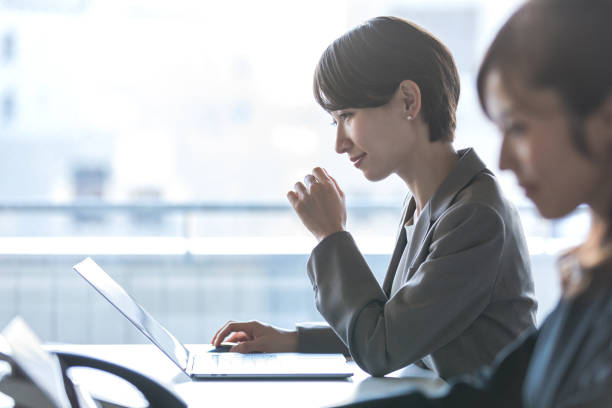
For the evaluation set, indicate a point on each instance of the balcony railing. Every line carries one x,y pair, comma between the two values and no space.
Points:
97,227
194,266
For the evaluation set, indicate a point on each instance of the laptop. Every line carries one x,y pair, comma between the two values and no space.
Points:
212,364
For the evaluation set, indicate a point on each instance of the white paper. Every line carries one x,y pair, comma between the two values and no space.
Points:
42,367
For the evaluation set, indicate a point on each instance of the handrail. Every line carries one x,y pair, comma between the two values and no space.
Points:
203,206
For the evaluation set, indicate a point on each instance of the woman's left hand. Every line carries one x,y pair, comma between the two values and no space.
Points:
319,202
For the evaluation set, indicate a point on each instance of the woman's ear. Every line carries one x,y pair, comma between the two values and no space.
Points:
410,95
607,116
599,130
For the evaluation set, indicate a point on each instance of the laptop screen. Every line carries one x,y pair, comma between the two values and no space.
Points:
150,327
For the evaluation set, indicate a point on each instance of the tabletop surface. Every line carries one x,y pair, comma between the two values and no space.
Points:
147,359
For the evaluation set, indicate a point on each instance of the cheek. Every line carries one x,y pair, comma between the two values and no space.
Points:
541,155
517,154
565,180
359,134
537,160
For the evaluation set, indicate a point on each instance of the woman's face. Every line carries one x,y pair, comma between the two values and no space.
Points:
537,147
376,140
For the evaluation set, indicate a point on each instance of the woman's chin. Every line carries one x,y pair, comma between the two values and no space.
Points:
554,210
374,176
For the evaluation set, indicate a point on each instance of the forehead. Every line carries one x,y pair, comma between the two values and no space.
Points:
509,94
340,111
497,99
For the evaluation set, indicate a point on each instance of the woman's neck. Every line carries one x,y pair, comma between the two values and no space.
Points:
597,247
428,169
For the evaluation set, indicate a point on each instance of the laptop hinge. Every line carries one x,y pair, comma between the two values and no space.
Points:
190,362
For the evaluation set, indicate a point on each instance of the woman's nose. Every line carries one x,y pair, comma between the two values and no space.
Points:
342,142
505,155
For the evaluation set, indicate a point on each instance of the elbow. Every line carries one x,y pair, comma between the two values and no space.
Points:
378,372
376,367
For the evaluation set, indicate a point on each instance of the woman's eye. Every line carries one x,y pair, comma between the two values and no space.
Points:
342,117
345,115
514,129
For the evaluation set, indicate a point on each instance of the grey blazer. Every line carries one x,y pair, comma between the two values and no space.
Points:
466,289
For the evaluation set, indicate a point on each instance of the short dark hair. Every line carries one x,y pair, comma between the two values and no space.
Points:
364,68
561,45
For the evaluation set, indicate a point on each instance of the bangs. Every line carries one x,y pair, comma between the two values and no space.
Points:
364,68
339,84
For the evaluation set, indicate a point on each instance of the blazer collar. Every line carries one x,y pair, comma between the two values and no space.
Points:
467,167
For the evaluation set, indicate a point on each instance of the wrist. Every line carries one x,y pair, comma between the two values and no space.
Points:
291,340
321,237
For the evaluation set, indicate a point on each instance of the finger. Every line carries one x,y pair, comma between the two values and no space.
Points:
221,334
247,328
214,339
254,346
238,337
321,175
309,180
292,197
337,186
333,180
300,189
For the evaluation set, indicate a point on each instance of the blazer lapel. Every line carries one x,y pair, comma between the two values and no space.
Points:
468,166
400,244
421,230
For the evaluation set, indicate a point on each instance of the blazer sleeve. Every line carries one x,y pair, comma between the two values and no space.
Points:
443,296
318,338
499,385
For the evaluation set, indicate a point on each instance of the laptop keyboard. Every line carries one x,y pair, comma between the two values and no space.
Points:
231,362
271,365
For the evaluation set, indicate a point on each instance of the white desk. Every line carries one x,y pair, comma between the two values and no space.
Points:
243,393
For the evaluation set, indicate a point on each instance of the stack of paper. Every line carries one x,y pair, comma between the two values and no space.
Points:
35,379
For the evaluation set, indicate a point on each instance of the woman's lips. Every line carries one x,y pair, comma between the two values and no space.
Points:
530,189
357,160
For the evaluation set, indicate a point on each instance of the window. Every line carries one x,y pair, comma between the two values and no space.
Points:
8,47
161,137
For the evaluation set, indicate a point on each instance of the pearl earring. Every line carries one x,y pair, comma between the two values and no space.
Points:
409,117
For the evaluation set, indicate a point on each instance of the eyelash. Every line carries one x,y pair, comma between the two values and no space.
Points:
343,116
514,129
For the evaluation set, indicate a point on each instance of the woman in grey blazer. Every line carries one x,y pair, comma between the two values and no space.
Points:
546,83
458,288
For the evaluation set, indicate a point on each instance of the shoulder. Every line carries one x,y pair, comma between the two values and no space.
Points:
484,189
592,379
471,225
482,198
470,215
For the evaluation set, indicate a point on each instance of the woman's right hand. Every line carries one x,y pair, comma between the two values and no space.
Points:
319,202
256,337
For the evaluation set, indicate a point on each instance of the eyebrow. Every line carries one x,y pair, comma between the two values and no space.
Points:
337,113
506,113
